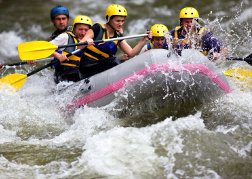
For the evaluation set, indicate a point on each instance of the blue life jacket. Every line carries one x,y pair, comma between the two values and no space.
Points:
102,50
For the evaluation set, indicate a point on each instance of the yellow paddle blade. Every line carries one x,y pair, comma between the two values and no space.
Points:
15,80
244,77
35,50
239,73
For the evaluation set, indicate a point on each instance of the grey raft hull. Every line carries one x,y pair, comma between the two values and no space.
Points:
153,85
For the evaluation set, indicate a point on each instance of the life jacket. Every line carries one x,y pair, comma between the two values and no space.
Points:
74,60
178,36
102,50
149,45
204,52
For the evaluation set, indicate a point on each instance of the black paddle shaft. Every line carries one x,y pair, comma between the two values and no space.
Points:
13,64
248,60
43,67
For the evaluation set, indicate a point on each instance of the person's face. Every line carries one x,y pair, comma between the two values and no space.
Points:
80,30
187,24
117,22
158,42
60,22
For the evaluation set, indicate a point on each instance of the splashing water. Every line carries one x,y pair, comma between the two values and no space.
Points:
8,42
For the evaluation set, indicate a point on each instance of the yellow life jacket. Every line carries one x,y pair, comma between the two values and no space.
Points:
184,40
204,52
149,45
74,60
101,50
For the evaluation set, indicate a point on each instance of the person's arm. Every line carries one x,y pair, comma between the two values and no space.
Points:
90,35
131,52
144,49
173,40
122,58
62,39
59,56
222,54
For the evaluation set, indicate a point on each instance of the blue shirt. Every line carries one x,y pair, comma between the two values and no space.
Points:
210,43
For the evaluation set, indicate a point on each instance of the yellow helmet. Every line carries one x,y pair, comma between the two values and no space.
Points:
159,30
115,10
82,20
188,13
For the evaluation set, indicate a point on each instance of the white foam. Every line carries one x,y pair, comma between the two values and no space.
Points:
131,151
7,135
31,110
8,43
245,15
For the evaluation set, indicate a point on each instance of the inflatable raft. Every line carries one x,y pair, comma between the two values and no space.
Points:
157,84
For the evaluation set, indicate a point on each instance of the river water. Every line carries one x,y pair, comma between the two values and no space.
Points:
38,141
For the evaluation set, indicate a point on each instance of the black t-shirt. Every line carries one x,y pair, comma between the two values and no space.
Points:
98,31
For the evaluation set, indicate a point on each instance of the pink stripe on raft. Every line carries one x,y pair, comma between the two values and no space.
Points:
115,86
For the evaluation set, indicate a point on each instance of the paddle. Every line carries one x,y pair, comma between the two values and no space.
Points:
42,49
17,80
249,56
239,73
24,62
247,59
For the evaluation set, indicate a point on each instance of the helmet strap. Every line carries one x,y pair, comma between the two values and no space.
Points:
118,33
110,26
180,21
